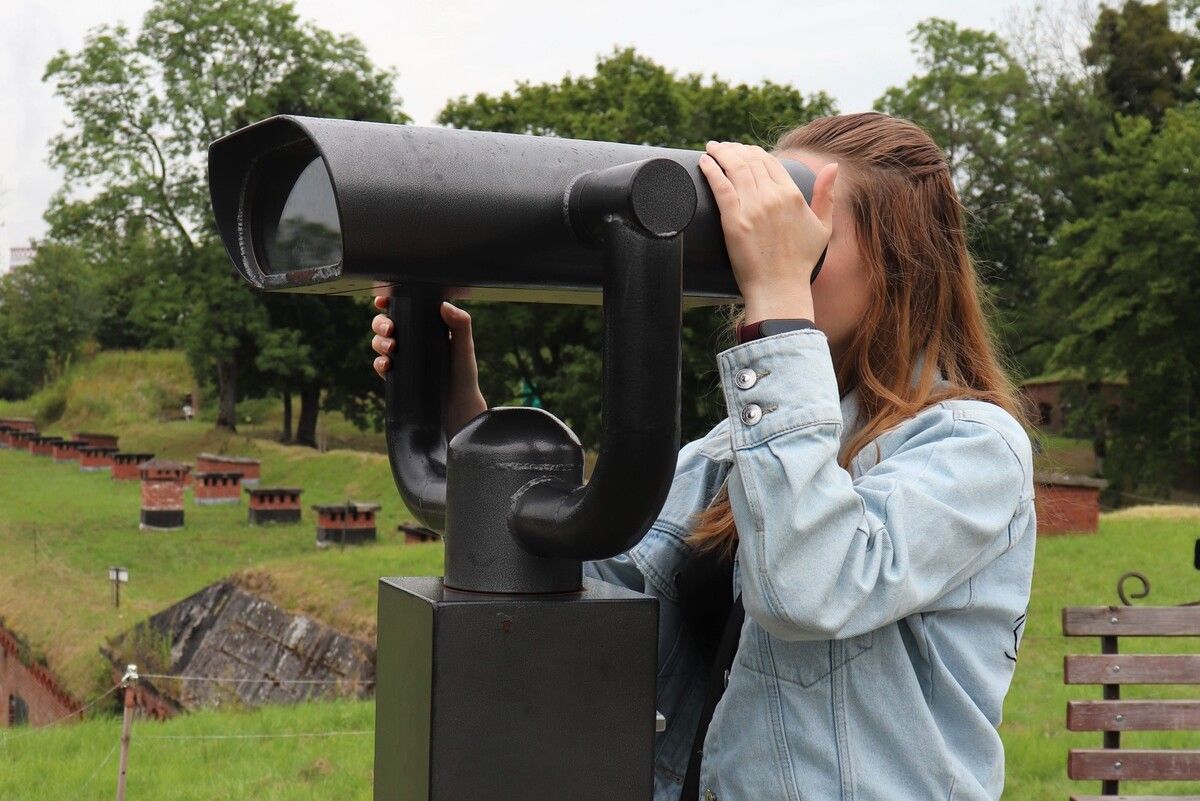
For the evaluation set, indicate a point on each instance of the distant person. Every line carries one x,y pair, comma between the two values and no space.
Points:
872,483
188,413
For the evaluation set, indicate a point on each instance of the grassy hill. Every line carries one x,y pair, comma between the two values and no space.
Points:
60,529
136,392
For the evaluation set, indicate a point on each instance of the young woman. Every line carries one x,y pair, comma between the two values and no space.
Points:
873,473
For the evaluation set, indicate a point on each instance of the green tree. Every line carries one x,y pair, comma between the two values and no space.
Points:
1126,278
48,311
979,104
1144,65
552,352
144,109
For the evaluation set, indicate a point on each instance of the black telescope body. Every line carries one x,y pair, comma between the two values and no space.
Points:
335,206
511,677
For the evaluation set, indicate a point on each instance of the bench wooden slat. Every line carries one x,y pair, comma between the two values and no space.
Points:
1133,715
1131,621
1131,669
1128,764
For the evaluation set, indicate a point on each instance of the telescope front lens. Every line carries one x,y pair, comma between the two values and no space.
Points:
295,220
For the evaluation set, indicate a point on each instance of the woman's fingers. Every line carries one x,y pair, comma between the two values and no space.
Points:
380,302
382,364
382,345
729,157
756,157
382,325
778,172
723,189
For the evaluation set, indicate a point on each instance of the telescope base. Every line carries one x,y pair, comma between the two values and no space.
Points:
514,697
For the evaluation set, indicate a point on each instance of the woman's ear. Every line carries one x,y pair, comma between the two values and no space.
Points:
823,194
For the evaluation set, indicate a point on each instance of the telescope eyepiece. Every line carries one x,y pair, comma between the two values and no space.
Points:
656,194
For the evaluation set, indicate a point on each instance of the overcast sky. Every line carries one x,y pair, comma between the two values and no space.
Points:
444,48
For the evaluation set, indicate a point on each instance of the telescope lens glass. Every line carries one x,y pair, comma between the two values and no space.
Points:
296,216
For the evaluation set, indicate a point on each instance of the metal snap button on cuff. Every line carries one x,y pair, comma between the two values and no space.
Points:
745,378
709,795
751,414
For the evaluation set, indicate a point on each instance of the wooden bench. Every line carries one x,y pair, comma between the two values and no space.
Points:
1112,764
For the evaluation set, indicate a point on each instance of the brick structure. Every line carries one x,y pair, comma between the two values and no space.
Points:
274,505
347,523
218,463
126,466
94,458
214,488
23,440
67,450
43,445
162,494
18,423
30,694
1047,399
1067,504
416,534
98,440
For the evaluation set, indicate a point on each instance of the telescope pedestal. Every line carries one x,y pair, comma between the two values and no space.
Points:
514,697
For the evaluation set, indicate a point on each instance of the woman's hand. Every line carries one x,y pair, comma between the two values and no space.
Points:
773,236
465,400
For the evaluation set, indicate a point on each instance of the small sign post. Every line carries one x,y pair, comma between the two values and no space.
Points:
118,576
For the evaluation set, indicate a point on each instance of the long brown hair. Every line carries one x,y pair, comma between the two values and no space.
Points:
924,294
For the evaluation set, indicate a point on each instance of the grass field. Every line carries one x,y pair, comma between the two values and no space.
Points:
1080,570
206,756
60,529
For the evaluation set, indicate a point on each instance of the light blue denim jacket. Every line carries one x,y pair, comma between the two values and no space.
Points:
884,605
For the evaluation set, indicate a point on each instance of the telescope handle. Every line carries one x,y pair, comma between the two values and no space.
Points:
415,400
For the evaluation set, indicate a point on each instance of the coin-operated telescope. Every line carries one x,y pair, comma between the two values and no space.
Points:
513,676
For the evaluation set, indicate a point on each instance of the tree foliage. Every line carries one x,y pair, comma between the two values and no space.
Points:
144,107
552,352
1126,278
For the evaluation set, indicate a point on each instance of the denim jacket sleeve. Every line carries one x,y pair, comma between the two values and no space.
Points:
827,556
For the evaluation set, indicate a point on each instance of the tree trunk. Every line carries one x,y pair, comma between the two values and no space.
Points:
310,405
227,395
286,436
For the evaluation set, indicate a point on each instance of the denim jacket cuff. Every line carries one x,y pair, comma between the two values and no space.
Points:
778,384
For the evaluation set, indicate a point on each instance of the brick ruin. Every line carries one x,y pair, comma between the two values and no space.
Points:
94,458
127,466
216,488
1067,504
11,425
6,435
30,693
416,534
98,440
249,469
274,505
68,450
43,445
347,523
162,494
22,440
